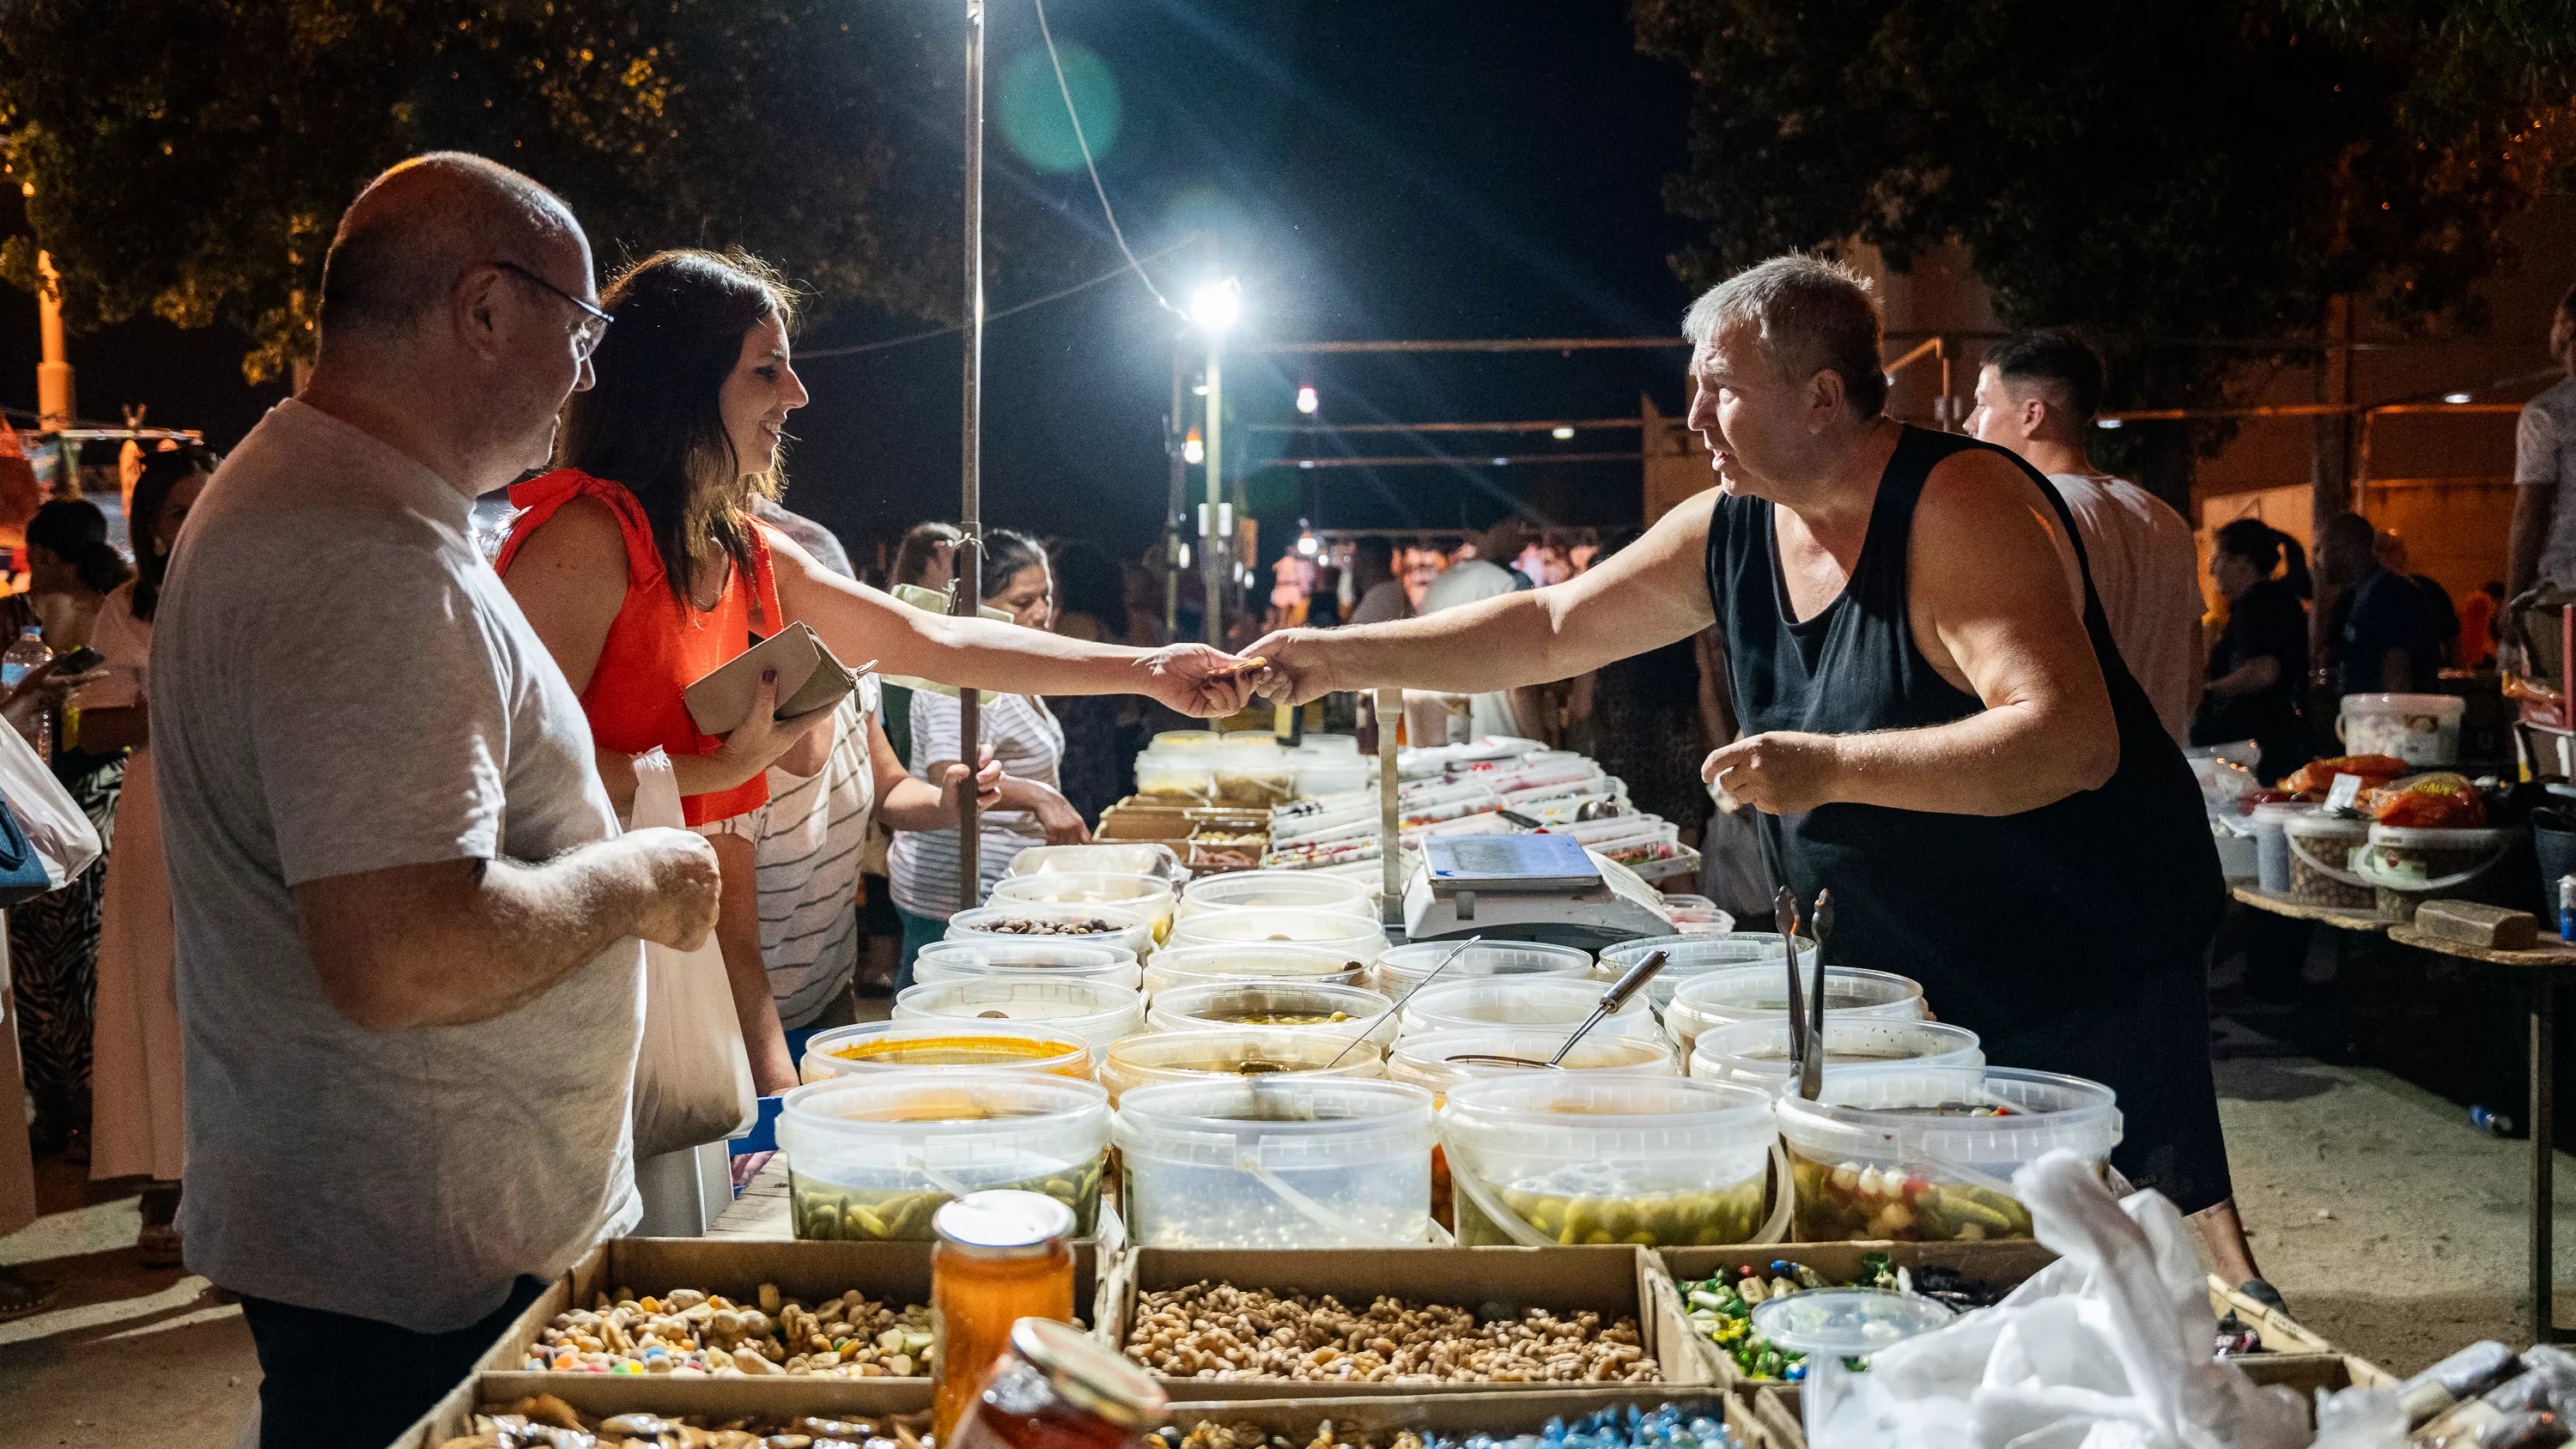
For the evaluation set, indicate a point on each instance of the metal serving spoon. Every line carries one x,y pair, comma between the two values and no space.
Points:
1811,1070
1784,914
1374,1021
1611,1000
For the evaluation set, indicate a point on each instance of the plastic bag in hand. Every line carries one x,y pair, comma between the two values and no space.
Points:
692,1076
2106,1348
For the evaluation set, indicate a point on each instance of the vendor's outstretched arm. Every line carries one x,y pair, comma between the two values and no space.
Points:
859,623
1647,595
1996,613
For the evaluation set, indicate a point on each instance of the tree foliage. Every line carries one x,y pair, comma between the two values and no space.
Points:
2190,169
192,159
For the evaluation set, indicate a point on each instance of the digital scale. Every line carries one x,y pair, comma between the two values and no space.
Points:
1536,887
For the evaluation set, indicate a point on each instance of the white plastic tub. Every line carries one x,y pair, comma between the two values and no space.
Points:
1406,967
1150,896
875,1048
1756,1053
1151,858
1427,1058
1096,925
1276,1162
1321,776
1253,890
1341,1012
1097,1012
1549,1003
1065,959
1176,966
1352,935
1755,993
1217,1055
1893,1152
2421,729
1597,1157
1691,956
871,1158
1174,775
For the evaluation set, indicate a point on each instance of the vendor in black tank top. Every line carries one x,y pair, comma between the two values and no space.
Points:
1938,726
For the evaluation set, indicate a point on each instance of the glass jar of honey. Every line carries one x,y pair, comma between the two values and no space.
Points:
1056,1389
1000,1257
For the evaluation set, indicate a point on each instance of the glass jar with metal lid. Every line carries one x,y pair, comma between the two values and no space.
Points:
1001,1256
1058,1389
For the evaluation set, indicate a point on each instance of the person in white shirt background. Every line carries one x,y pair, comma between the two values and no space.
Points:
2543,545
2037,395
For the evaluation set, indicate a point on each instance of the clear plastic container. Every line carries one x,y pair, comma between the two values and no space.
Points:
1097,1012
1406,967
1175,775
1221,1054
1195,965
1544,1002
1691,956
1321,776
1338,1011
1601,1157
871,1158
1204,742
1756,1053
1066,959
1150,896
1753,993
1901,1151
1353,935
1095,925
1331,747
1149,858
1276,1162
1253,890
873,1048
1425,1059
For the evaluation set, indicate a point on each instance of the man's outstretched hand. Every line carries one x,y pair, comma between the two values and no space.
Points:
1293,666
1197,679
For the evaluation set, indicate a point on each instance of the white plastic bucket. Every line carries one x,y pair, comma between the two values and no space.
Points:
1130,930
1276,1162
2421,729
1547,1002
1148,895
873,1157
1351,934
1096,1011
1756,1053
1254,890
1601,1158
2269,824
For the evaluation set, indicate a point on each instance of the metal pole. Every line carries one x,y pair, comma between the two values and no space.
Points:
2543,989
968,590
1174,529
1390,709
1219,554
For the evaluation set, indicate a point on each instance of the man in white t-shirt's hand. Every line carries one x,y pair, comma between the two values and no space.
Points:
2543,545
410,989
2037,395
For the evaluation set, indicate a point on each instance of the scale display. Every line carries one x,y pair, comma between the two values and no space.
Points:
1516,862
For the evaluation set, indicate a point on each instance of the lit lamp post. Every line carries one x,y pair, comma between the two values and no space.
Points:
1215,307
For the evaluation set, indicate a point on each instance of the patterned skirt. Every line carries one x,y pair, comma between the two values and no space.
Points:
53,964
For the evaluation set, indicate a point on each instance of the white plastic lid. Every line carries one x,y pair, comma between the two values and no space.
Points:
1096,1011
1848,1322
1187,965
1542,1001
1273,889
1353,935
1404,967
1689,957
2436,704
1756,1053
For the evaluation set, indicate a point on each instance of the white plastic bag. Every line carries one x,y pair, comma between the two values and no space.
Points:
54,822
692,1078
2106,1348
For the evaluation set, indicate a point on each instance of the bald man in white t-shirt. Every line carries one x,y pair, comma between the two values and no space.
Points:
2036,395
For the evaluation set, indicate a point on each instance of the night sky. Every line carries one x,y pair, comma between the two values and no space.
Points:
1394,169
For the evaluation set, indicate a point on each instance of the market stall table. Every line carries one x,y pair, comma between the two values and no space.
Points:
2540,969
2342,918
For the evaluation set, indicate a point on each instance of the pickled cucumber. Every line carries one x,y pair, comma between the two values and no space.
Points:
826,1211
1705,1218
1839,1202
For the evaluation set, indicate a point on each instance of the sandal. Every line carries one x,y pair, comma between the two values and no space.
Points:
21,1295
159,1247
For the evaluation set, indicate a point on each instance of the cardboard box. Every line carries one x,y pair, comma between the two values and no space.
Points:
2281,1333
1497,1412
605,1394
1617,1282
895,1274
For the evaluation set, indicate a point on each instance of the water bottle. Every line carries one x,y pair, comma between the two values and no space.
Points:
2494,1124
24,655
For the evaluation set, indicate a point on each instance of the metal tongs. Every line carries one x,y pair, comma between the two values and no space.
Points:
1611,1000
1380,1019
1806,1003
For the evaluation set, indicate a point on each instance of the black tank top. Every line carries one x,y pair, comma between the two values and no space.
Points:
2009,922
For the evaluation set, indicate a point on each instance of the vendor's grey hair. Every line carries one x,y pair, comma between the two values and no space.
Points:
1811,314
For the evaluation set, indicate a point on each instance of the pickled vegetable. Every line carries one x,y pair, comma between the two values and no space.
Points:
1704,1218
826,1211
1280,1018
1846,1201
957,1051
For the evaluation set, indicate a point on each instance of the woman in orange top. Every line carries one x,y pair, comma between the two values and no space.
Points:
638,563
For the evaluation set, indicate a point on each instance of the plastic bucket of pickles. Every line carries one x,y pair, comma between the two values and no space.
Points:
1149,896
1096,1011
1218,1054
1919,1153
1427,1060
1560,1003
1688,958
1341,1011
1276,1162
875,1047
1756,1053
1567,1158
871,1158
1761,992
1253,961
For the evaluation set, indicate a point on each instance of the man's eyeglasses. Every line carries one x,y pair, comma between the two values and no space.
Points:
594,321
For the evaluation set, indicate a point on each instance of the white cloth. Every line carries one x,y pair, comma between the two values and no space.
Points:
808,843
2147,570
1472,581
2544,456
1028,742
342,685
137,1127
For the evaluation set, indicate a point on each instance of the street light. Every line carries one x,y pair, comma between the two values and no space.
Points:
2455,397
1306,398
1215,306
1560,433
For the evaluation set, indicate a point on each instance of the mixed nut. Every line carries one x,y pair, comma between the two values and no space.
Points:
547,1421
1218,1331
688,1332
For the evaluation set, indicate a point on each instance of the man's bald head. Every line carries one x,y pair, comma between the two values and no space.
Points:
405,240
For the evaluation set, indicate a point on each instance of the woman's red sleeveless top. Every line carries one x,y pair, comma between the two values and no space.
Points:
657,647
